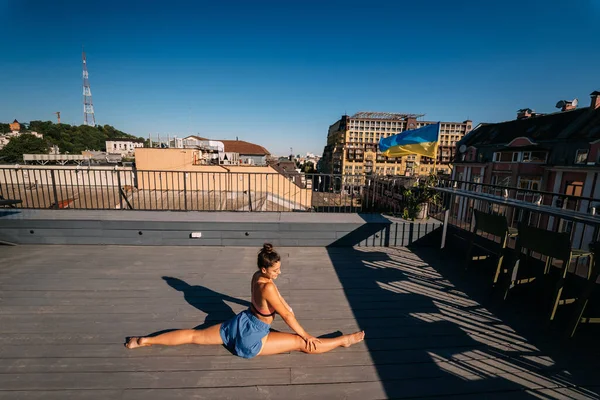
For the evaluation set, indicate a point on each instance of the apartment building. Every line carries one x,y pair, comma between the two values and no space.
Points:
125,146
548,152
557,152
353,145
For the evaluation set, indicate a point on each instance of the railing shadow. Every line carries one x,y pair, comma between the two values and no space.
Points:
540,350
429,331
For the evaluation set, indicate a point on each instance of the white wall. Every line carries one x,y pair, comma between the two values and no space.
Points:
124,148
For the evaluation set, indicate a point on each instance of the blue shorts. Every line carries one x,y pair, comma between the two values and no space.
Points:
243,334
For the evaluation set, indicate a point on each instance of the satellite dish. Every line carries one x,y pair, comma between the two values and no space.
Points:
560,104
462,148
575,102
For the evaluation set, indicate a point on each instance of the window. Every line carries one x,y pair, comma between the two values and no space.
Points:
501,180
581,156
505,157
534,156
534,183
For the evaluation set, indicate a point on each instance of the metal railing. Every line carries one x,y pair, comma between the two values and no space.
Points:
127,188
576,215
386,194
457,205
96,188
561,200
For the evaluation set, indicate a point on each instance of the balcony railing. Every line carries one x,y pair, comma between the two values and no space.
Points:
559,200
127,188
576,215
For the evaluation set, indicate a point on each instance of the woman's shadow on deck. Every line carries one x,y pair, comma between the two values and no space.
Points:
206,300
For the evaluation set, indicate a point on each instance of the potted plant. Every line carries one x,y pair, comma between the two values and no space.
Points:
417,198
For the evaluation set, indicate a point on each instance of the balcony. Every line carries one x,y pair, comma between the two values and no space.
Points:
433,331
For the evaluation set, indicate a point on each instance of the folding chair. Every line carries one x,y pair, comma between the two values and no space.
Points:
580,314
495,225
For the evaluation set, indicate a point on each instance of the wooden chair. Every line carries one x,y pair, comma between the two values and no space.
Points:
553,245
580,313
495,225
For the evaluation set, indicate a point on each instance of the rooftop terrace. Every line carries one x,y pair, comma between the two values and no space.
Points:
430,330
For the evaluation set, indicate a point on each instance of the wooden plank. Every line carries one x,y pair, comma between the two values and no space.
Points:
158,362
446,386
555,393
128,380
340,391
466,369
360,391
23,233
94,394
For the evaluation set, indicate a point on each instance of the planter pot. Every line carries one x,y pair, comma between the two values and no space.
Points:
423,212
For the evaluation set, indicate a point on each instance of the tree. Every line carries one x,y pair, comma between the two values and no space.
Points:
75,139
24,144
309,168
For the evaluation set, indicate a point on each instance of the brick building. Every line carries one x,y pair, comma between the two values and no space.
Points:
557,152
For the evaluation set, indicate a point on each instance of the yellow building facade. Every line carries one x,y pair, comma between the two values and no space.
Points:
353,142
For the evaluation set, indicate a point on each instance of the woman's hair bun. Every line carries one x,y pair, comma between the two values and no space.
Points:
267,256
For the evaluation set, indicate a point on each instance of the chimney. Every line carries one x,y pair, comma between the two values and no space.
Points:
566,105
524,113
595,104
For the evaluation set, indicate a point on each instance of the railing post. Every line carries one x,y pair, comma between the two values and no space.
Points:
445,228
351,188
185,202
120,189
374,180
54,189
249,195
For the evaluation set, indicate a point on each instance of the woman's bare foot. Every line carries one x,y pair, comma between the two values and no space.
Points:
354,338
134,342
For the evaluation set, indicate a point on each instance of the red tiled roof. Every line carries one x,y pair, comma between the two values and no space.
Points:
245,148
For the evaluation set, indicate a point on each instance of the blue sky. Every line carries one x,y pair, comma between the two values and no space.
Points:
278,73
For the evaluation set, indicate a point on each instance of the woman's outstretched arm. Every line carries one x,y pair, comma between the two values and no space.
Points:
271,294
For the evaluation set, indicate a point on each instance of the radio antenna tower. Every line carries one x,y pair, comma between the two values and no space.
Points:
88,105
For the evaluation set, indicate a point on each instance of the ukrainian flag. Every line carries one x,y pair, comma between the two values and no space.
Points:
422,141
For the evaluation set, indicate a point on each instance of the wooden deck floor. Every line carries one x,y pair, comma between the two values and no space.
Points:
65,311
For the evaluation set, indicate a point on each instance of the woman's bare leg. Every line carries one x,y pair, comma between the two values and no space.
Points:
209,335
280,342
